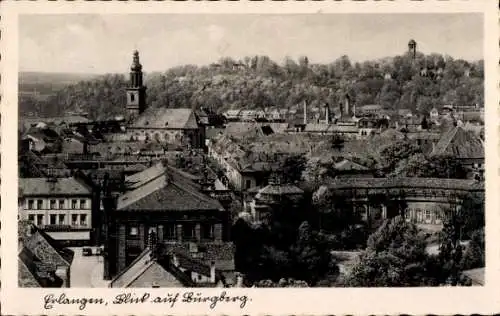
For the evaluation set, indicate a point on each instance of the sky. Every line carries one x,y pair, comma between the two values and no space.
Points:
79,43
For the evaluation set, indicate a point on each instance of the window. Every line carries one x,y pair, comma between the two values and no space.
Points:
53,219
169,232
31,218
74,220
39,220
39,204
83,204
133,231
83,219
61,204
52,204
73,204
30,204
248,184
132,97
62,219
427,214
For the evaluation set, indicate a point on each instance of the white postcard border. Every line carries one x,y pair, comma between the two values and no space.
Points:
484,300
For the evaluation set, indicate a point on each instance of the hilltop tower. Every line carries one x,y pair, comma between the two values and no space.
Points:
412,48
136,92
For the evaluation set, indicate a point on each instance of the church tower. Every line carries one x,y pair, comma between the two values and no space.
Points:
136,92
412,48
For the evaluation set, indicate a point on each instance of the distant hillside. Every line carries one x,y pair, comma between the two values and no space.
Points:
399,82
44,84
30,77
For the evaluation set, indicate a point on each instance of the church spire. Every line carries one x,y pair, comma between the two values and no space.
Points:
136,92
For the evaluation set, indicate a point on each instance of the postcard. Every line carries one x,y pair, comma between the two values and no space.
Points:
249,158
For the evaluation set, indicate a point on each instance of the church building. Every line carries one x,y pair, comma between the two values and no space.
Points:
178,126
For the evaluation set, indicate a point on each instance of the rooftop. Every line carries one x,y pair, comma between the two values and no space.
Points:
156,190
167,118
53,186
459,143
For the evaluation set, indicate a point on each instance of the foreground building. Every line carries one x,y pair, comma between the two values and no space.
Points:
424,201
183,218
62,207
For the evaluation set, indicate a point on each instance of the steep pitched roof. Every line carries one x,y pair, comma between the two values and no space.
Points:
143,265
460,144
167,118
56,186
139,179
163,194
43,246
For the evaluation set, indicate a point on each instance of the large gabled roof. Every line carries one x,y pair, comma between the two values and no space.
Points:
460,144
161,192
43,246
167,118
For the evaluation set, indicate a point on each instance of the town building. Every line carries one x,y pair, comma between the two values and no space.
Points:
463,146
63,207
156,267
182,217
424,201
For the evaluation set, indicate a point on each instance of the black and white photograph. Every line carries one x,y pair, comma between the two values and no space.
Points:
162,151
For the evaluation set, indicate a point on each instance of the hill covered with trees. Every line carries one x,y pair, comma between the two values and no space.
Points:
399,82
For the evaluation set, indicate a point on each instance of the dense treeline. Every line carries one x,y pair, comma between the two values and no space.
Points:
398,82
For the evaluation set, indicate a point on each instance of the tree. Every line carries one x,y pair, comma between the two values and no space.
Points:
292,167
419,165
392,154
474,255
313,261
395,256
450,251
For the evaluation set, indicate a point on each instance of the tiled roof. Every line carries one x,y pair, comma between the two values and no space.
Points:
460,144
349,165
167,118
57,120
43,246
280,189
32,272
386,183
222,253
369,107
139,179
161,194
163,272
55,186
315,127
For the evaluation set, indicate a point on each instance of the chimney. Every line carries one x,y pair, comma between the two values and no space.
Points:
212,272
327,113
305,112
63,273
